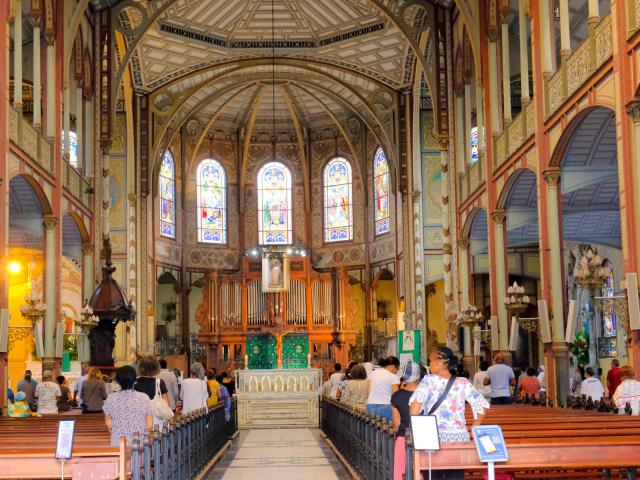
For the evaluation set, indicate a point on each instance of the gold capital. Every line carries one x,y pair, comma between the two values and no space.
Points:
633,109
463,243
49,221
499,215
551,176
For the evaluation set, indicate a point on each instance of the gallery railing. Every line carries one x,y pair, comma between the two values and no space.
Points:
184,446
366,442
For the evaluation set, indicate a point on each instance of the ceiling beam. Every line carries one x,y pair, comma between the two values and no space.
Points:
247,141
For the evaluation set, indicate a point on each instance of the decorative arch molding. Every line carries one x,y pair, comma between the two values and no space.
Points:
503,198
470,221
79,223
41,196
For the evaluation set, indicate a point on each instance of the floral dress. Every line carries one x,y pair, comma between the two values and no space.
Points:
128,410
452,425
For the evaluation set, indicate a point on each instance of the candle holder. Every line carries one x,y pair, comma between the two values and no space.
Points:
470,317
516,300
531,324
589,272
33,311
87,319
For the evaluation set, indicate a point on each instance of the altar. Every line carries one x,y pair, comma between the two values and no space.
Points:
278,397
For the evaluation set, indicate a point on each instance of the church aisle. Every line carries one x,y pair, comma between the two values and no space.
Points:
279,454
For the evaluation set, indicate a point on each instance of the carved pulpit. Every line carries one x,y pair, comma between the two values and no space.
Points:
110,305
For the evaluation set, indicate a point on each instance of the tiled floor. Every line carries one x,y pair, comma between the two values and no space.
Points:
279,454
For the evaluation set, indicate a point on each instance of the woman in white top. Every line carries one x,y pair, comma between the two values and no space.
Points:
194,390
478,380
48,393
628,392
383,382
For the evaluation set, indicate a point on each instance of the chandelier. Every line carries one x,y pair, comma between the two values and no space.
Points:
88,319
589,272
469,317
516,300
33,309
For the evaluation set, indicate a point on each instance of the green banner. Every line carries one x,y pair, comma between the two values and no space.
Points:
261,351
409,345
295,350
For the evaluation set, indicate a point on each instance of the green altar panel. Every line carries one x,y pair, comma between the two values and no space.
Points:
261,351
295,350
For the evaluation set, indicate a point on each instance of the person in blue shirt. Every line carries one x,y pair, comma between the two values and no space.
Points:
226,398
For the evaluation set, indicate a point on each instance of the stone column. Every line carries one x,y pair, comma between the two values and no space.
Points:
463,256
80,125
594,12
493,86
51,87
50,318
544,43
524,53
559,347
506,71
467,124
565,39
17,56
460,136
66,122
37,79
446,233
480,116
87,271
498,217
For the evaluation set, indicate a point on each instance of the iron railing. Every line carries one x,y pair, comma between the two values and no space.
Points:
366,442
184,446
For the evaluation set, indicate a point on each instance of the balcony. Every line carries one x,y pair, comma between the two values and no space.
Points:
32,142
514,135
470,181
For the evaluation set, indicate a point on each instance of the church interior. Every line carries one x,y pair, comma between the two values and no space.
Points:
269,188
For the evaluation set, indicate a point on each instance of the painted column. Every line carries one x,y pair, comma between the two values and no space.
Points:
66,122
545,38
80,125
460,135
493,87
446,241
50,223
506,71
37,79
594,12
17,56
87,271
524,53
498,217
51,87
106,195
565,39
559,347
463,256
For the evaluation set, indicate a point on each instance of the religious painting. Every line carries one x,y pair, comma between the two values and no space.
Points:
275,273
338,204
274,205
609,317
381,189
212,202
167,187
474,145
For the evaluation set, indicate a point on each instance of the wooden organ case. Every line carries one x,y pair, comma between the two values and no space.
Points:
234,309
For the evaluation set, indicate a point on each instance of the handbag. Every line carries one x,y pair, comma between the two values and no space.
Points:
161,409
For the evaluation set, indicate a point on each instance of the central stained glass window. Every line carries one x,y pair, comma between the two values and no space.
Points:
381,183
274,205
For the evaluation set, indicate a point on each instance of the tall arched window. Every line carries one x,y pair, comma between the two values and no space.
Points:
73,148
274,204
381,183
168,196
212,202
338,204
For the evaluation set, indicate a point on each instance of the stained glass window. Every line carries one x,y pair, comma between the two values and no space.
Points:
474,145
381,183
212,202
274,204
338,210
73,148
609,317
168,196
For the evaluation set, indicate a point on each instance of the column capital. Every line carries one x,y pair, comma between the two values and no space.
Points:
551,176
105,147
88,249
132,197
463,243
633,109
50,221
443,141
499,215
446,249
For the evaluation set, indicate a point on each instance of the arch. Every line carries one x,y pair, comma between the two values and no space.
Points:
167,278
473,217
512,181
381,193
38,192
211,195
72,238
569,132
275,219
167,195
79,225
337,186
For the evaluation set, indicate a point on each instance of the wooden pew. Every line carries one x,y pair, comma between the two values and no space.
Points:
545,443
27,449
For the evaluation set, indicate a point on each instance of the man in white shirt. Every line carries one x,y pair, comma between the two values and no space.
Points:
541,378
591,385
383,382
171,381
335,378
478,380
500,377
48,393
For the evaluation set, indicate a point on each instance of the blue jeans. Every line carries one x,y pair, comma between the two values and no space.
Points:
380,409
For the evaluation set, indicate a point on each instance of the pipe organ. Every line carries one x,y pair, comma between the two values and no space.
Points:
234,308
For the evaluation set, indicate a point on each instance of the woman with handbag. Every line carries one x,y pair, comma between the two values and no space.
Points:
444,395
93,392
155,388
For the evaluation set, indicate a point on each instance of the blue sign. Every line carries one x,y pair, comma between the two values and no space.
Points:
490,443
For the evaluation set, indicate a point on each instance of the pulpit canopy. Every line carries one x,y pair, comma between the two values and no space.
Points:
109,301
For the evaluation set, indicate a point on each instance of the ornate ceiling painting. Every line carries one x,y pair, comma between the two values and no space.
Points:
208,65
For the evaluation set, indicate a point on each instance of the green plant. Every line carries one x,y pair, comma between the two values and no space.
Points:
580,348
70,344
